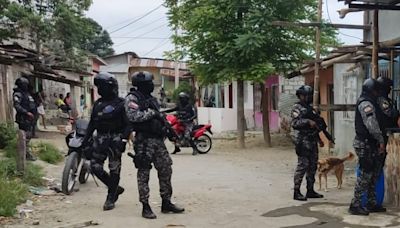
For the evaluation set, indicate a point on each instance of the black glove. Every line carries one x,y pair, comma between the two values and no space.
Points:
300,151
121,145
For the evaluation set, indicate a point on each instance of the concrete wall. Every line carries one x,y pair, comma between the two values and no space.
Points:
347,89
388,25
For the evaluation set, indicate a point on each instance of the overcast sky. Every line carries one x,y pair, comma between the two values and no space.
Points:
148,37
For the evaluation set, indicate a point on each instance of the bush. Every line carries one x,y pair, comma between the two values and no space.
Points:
33,173
7,133
13,193
11,149
49,153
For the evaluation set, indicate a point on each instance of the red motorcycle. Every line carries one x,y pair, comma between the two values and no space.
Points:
200,135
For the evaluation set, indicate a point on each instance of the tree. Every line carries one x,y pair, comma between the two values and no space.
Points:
97,40
235,40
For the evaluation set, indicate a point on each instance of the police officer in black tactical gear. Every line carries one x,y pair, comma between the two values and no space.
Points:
391,114
369,145
142,110
186,113
305,138
108,118
26,109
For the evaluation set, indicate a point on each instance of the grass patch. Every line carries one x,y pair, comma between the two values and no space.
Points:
13,193
7,133
33,173
48,153
11,149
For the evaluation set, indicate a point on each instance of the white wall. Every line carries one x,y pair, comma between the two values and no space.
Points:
344,122
221,119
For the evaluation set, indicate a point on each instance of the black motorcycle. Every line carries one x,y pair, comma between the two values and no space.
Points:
77,167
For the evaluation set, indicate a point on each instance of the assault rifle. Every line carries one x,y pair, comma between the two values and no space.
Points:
322,126
170,132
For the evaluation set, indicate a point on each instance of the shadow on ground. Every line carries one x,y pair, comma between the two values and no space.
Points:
327,218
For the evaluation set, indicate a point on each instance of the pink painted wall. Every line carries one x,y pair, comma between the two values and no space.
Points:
273,114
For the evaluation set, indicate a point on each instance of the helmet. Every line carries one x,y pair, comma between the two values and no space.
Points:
141,77
143,80
107,84
370,86
22,83
184,98
307,92
385,84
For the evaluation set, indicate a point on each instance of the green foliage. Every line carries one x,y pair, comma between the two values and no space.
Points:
7,134
33,173
48,153
234,39
183,87
13,193
11,149
97,40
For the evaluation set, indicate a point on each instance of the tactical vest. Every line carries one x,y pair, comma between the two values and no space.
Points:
150,128
108,116
28,103
362,132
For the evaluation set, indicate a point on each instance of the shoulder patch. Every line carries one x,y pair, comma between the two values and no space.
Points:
385,105
368,109
295,113
16,98
133,105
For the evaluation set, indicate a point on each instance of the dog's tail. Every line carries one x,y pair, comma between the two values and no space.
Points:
348,157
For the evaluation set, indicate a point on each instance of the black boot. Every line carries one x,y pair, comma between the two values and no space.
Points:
147,212
177,150
312,194
110,202
120,190
298,196
376,209
168,207
30,157
193,145
112,192
358,211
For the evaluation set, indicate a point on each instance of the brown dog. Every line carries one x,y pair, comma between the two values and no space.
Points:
335,164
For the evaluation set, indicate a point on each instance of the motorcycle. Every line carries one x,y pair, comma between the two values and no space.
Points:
200,135
77,167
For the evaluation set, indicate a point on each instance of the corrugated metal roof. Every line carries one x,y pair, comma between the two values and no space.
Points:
115,68
157,63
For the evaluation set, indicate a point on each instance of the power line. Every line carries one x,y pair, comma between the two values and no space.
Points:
141,35
329,17
144,26
159,45
136,20
137,37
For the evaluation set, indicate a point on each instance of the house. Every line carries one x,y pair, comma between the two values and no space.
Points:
125,64
118,65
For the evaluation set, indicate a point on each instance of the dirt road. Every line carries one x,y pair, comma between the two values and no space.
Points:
226,188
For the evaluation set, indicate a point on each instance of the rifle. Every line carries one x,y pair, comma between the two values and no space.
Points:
170,132
322,126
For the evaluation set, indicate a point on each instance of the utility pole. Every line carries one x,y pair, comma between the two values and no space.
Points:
375,44
176,58
317,56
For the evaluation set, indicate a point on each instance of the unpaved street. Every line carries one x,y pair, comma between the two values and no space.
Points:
226,188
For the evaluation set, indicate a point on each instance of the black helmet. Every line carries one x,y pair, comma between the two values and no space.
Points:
385,85
307,92
107,84
370,86
141,77
184,98
304,90
22,83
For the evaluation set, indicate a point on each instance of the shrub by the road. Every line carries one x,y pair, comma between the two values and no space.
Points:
49,153
13,193
7,133
14,187
11,148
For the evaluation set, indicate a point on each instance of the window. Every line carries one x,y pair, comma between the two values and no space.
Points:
349,93
274,97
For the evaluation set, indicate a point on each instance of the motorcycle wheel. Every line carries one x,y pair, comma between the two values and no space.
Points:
203,144
69,173
84,175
